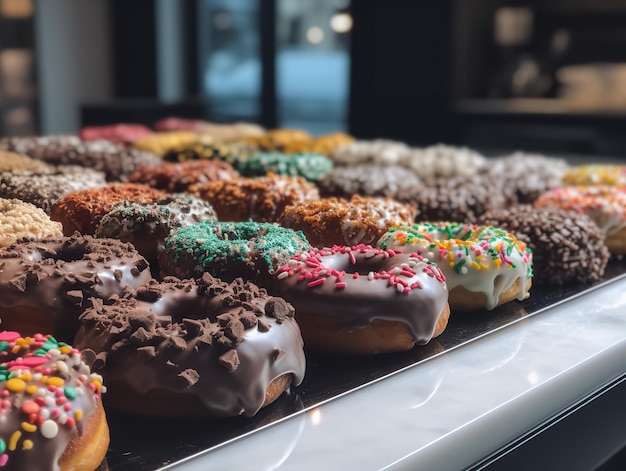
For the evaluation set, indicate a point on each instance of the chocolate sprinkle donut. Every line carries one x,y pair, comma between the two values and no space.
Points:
566,246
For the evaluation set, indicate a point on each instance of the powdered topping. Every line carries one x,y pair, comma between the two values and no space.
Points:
470,256
46,393
23,220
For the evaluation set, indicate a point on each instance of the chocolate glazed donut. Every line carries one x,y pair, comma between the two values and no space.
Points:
46,284
194,349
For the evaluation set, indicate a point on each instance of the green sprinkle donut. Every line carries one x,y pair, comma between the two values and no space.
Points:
310,166
250,250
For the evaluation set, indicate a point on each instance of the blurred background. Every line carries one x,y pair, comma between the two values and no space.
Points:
545,75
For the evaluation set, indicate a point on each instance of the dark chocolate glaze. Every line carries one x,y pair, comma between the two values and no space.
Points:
323,282
46,284
195,349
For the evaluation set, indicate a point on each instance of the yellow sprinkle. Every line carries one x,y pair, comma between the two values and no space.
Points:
15,385
32,389
29,427
16,349
13,440
26,376
78,415
27,444
43,379
65,349
97,384
476,265
56,381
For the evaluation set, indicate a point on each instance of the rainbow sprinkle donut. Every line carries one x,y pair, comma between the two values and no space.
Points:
51,414
484,266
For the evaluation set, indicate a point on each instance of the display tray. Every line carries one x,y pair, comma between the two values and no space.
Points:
139,443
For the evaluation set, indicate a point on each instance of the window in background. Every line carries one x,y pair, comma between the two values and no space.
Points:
312,64
230,64
311,60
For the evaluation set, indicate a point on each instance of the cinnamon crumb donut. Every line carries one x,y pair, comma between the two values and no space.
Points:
115,160
606,205
147,225
20,220
195,349
567,246
229,250
260,199
364,300
82,210
178,177
376,180
334,221
46,189
51,416
46,284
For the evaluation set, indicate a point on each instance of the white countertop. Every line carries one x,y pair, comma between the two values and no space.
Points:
455,408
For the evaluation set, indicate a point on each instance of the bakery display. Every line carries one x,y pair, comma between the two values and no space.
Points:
197,290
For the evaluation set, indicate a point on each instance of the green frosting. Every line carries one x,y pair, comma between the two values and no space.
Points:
309,166
232,243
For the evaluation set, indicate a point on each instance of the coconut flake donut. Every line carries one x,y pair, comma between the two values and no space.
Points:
335,221
179,176
484,266
442,161
46,189
567,246
364,300
146,225
12,162
596,174
387,181
260,199
20,220
378,151
229,250
46,284
525,177
51,415
606,205
82,210
195,349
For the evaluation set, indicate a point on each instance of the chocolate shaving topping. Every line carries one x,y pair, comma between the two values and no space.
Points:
75,297
229,360
277,353
188,378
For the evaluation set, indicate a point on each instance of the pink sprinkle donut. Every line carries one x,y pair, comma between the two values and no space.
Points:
364,300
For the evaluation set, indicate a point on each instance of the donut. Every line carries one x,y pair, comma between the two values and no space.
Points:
442,161
378,151
51,415
12,162
20,220
195,349
222,132
146,225
335,221
460,199
324,144
46,189
179,124
178,177
260,199
46,284
363,300
484,266
159,143
596,174
524,177
280,139
567,246
82,210
229,250
310,166
606,205
232,153
115,160
123,133
375,180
